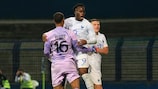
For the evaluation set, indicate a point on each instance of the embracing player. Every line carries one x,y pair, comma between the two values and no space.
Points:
102,48
86,35
59,46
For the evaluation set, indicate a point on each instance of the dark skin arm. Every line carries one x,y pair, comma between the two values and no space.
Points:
82,42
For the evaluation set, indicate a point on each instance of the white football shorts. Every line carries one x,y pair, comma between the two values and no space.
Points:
95,68
82,61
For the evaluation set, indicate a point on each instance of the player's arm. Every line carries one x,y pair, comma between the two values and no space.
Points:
78,47
47,47
44,37
91,36
17,78
105,49
82,42
81,48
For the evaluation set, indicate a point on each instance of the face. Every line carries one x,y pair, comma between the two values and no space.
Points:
96,26
79,13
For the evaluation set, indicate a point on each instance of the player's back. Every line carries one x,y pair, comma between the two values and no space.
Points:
61,45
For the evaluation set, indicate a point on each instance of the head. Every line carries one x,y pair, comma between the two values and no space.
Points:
20,72
96,25
79,11
58,19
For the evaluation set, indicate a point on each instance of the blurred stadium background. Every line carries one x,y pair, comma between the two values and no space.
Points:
131,28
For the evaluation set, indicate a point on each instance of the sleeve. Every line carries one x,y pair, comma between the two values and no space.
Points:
67,23
105,44
47,47
81,48
16,79
26,77
91,35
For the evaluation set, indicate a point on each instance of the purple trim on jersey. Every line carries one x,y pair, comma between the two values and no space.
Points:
81,48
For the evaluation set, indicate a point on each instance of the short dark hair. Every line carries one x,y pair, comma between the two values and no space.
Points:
20,69
58,17
78,5
91,20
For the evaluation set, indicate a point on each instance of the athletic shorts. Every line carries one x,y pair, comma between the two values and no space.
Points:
61,70
82,61
95,68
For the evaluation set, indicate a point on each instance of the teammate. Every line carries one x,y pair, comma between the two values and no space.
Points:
4,83
24,79
95,63
86,35
59,46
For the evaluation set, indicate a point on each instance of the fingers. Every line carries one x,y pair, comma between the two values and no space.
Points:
82,42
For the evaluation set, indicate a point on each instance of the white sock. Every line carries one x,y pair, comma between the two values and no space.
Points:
87,80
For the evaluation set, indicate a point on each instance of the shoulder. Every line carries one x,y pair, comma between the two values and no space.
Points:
67,30
45,35
101,35
26,74
70,19
86,21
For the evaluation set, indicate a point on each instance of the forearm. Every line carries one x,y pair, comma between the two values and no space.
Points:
81,48
84,49
91,40
104,50
16,78
47,49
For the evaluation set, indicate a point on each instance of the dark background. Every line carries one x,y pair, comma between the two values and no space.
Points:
128,59
114,16
44,9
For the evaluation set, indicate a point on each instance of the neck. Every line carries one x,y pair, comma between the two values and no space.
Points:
59,25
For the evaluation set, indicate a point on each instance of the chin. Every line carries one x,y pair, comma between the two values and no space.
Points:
80,19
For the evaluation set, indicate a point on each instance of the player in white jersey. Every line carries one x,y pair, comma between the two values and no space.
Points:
86,35
95,63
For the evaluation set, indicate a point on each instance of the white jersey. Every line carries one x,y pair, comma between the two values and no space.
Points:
83,29
101,41
95,60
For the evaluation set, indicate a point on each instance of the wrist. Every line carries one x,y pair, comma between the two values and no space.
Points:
97,49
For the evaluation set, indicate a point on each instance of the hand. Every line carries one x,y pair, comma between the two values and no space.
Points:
82,42
94,49
18,73
44,38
